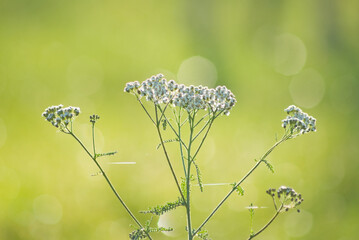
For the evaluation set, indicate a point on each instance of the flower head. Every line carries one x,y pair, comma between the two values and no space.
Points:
298,122
60,117
158,90
286,196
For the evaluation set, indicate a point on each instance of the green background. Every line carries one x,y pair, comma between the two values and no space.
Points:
271,54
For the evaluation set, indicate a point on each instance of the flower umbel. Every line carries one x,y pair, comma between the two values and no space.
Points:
298,122
61,117
287,197
158,90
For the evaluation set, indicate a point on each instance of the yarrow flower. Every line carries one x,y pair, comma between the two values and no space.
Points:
60,117
287,196
158,90
298,122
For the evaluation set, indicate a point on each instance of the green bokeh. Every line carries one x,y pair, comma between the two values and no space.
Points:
271,54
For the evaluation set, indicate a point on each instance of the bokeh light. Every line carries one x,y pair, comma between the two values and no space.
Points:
307,88
197,70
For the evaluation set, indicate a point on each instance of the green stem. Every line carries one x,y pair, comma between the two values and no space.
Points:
241,181
204,138
205,135
93,140
163,112
201,119
109,183
139,100
173,129
265,226
166,154
180,142
204,127
188,178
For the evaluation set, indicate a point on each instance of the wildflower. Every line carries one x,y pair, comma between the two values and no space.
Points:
61,117
158,90
287,197
298,122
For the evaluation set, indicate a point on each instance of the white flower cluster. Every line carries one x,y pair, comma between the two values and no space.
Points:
158,90
298,121
59,116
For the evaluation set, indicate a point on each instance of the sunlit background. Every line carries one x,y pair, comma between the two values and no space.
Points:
271,54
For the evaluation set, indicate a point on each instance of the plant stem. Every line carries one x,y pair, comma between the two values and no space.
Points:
166,154
241,181
109,183
93,140
174,131
211,120
201,119
265,226
180,142
204,138
200,131
139,100
188,177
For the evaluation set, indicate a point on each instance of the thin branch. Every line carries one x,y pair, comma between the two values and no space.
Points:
174,131
93,140
265,226
201,120
200,131
204,138
139,100
166,154
109,183
180,142
241,181
163,112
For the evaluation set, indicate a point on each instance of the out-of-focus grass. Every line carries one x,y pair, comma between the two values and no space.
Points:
270,54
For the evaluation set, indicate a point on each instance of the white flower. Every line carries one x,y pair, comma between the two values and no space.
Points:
298,121
158,90
59,116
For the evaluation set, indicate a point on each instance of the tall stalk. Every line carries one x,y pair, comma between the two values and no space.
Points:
191,120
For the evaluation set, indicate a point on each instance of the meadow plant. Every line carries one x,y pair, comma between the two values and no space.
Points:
188,113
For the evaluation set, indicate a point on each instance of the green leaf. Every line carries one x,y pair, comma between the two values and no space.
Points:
161,209
203,234
141,233
199,176
105,154
238,189
138,234
160,229
167,141
183,187
164,124
270,166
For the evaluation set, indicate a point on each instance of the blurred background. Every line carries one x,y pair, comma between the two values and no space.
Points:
271,54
